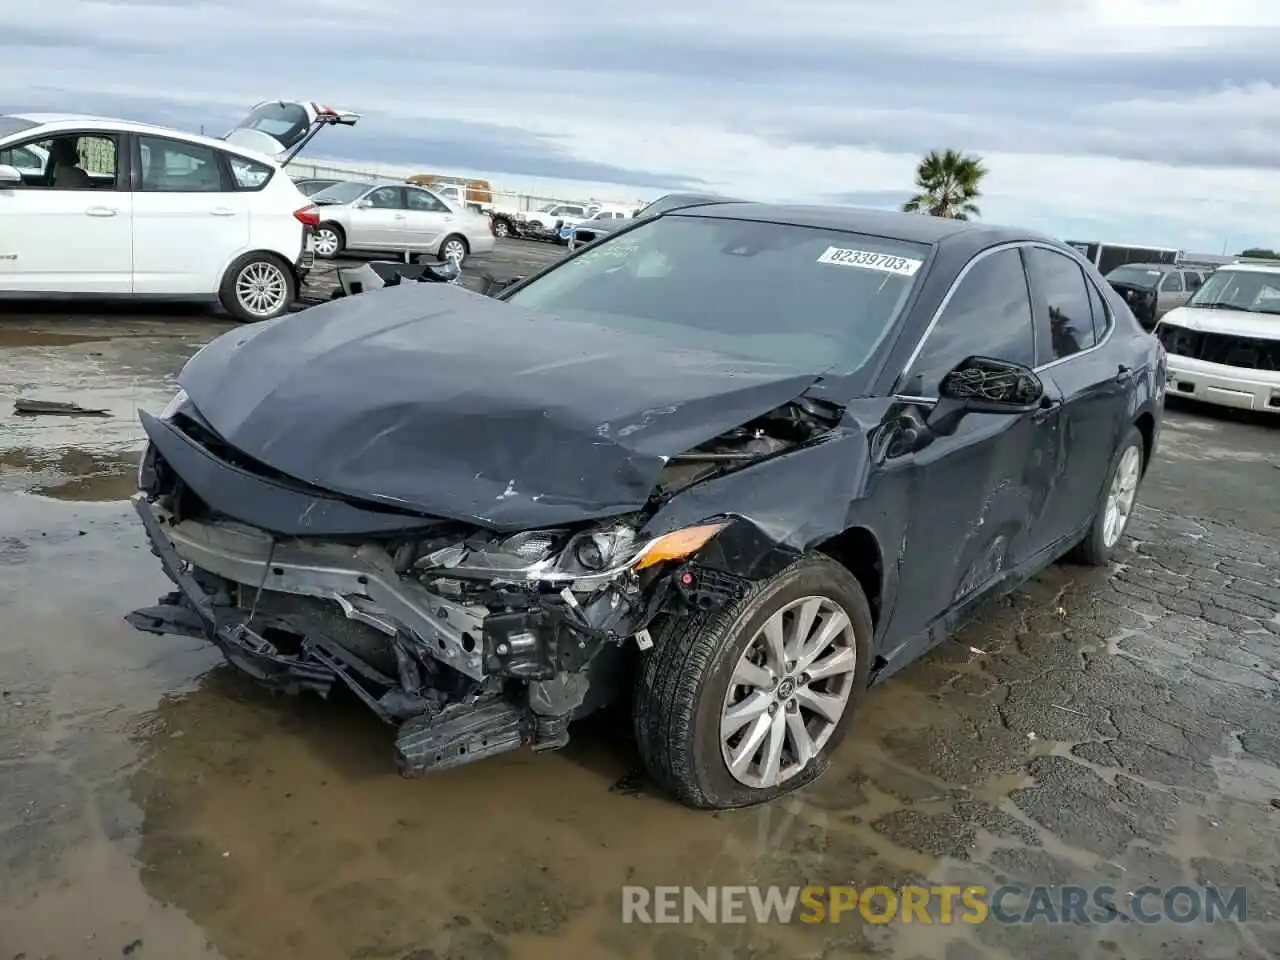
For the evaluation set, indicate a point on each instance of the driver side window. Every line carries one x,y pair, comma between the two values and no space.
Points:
988,314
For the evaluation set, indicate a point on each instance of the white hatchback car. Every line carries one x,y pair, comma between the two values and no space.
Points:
397,218
98,208
1224,343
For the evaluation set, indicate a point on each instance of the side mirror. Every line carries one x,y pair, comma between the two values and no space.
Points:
984,385
364,204
10,175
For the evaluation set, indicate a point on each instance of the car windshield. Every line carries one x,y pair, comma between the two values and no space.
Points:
1135,276
11,125
341,192
813,298
1253,290
548,207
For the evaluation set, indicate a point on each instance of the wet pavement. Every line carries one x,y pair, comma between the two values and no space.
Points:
1117,727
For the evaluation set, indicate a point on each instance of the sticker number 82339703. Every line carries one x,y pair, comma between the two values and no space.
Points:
867,260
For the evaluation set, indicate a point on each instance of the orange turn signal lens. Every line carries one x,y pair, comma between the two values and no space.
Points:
678,544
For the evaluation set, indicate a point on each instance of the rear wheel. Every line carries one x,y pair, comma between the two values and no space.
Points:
501,228
739,706
454,247
1119,496
257,286
328,240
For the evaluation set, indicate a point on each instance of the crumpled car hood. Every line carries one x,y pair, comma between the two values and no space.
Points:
442,401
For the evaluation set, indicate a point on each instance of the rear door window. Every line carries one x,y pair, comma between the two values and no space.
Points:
173,166
1060,282
1172,282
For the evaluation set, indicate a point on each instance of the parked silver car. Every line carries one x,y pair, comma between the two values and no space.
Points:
1153,289
396,218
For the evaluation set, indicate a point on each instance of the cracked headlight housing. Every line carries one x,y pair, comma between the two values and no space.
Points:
587,559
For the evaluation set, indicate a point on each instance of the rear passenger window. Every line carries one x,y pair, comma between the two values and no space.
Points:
248,174
989,315
1172,282
1061,283
171,166
1193,280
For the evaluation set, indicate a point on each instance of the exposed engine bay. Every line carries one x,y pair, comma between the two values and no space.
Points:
470,640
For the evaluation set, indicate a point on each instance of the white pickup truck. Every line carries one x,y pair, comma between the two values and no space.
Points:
545,222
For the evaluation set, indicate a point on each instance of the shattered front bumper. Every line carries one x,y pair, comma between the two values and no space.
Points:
316,664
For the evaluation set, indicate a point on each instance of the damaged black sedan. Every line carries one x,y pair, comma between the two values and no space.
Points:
726,467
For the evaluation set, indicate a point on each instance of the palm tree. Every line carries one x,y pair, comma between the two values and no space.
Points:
948,182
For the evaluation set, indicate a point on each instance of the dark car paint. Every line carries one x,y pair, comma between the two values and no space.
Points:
555,423
963,519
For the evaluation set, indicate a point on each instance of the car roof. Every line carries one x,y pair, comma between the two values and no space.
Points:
1253,266
1163,267
83,121
915,227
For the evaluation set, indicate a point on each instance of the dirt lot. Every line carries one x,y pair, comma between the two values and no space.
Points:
1116,727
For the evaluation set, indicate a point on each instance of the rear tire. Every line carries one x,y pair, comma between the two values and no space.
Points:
258,286
691,680
501,228
329,240
1115,504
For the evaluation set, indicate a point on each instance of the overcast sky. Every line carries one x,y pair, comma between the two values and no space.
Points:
1152,121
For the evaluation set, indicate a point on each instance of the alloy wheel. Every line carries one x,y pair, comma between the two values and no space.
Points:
325,242
262,289
454,250
788,692
1121,496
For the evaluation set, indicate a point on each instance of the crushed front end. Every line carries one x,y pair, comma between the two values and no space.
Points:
471,642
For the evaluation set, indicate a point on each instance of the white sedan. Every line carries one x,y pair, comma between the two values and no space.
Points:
397,218
97,208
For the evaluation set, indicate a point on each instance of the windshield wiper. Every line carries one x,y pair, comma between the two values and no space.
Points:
1220,305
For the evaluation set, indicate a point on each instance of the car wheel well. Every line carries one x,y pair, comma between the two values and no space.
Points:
1146,425
334,226
858,551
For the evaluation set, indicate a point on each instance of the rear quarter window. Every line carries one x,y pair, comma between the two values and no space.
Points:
248,174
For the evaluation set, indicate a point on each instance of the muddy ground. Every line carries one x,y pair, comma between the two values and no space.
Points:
1116,727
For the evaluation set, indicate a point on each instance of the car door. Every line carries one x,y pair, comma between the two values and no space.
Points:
975,498
70,240
1074,320
377,220
428,220
1171,293
189,222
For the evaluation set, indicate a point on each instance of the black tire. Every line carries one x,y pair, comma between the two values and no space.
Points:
1093,550
501,227
454,238
339,236
682,681
242,269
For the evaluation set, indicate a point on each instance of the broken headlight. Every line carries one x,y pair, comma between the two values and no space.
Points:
585,559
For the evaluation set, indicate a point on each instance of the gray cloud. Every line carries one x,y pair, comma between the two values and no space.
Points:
511,88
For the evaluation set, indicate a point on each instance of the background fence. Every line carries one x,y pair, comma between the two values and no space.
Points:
372,173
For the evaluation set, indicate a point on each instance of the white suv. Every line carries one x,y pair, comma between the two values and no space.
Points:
1224,343
97,208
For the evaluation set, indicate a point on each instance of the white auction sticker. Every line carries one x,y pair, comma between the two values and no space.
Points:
885,263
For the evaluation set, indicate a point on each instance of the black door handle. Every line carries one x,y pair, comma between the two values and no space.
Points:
1124,374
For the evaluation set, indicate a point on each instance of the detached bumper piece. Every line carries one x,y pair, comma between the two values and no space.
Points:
432,735
389,273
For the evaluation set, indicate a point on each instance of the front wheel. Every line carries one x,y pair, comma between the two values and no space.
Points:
1119,496
257,286
501,228
328,240
742,705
